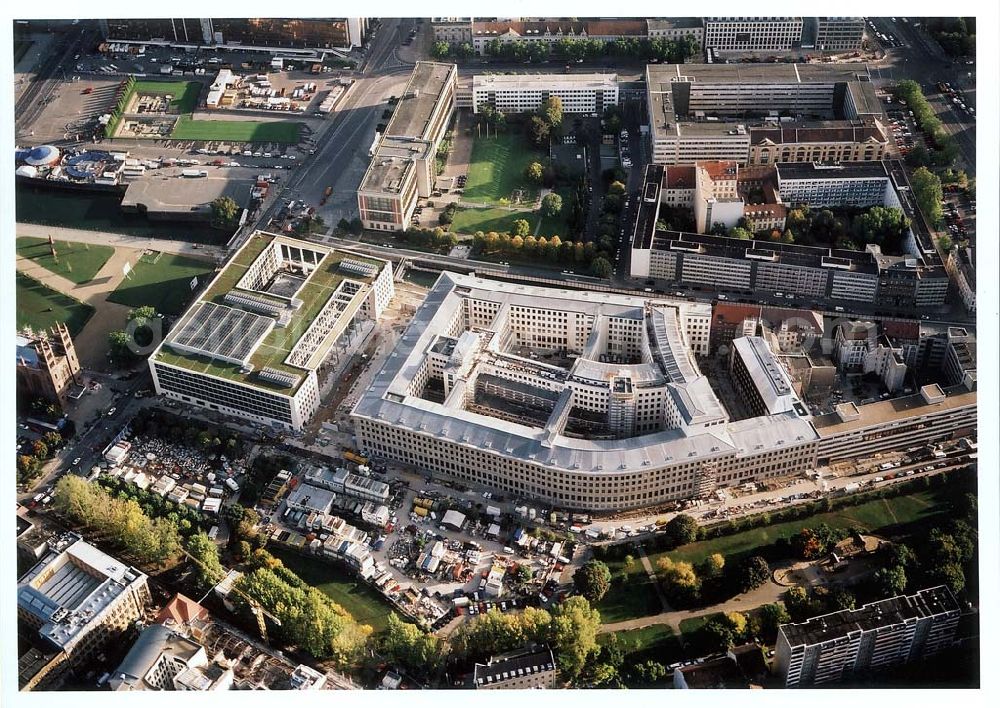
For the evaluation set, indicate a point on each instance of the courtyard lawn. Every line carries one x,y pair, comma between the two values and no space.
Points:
237,131
340,585
183,94
40,307
78,262
162,280
469,221
872,515
497,166
654,643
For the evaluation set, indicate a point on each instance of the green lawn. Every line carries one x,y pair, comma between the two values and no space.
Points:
497,167
627,600
165,284
872,515
341,585
654,643
78,262
469,221
184,94
40,307
239,131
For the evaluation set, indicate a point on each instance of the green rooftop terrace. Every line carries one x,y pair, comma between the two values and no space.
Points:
275,348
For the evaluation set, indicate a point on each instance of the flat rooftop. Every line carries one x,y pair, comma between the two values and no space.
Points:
929,602
392,400
427,83
882,412
323,283
771,251
184,195
535,82
872,169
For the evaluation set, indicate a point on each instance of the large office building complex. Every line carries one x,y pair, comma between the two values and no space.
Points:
588,400
550,31
741,34
832,141
277,33
705,112
252,343
78,599
840,645
838,34
859,184
403,165
521,93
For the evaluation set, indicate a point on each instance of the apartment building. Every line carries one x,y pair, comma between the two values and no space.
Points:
453,30
760,379
47,365
839,34
533,667
716,200
837,646
403,165
961,266
79,599
741,34
851,341
523,93
831,141
251,344
705,111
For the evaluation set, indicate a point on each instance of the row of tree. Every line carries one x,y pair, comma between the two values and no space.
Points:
928,193
187,519
956,35
945,150
120,523
653,49
309,619
885,226
552,249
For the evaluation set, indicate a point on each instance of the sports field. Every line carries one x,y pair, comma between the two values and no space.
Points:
496,169
40,307
184,94
341,585
78,262
239,131
162,280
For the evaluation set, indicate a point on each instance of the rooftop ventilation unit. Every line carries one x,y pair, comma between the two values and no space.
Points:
278,377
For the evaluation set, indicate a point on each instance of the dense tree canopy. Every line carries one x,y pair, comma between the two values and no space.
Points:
592,580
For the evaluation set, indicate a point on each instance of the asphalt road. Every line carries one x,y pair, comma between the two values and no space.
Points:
922,60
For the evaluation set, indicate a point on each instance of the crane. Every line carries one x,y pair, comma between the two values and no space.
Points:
256,609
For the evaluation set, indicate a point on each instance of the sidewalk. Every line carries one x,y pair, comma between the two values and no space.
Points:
103,238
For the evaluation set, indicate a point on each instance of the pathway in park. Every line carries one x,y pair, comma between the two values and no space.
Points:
770,592
104,238
644,559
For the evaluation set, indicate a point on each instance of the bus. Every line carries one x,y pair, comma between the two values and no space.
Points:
354,457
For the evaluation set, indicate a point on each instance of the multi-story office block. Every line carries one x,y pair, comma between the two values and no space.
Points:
960,358
705,112
78,599
522,93
839,34
839,645
857,184
164,660
403,165
741,34
249,33
842,141
934,413
252,343
760,379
